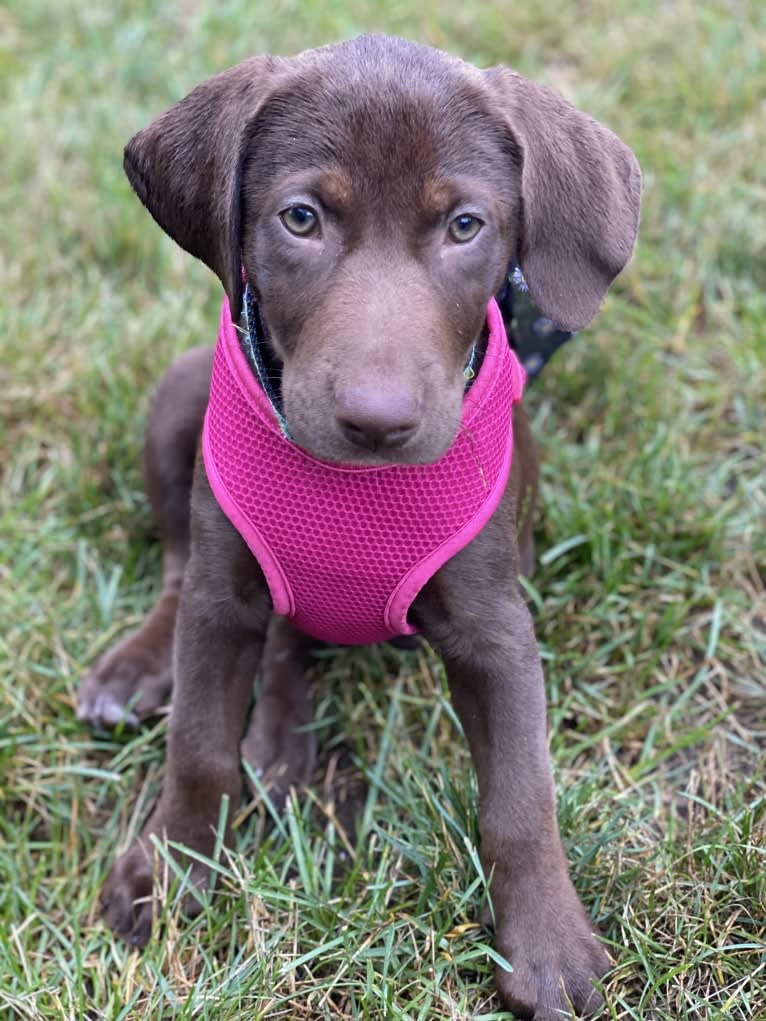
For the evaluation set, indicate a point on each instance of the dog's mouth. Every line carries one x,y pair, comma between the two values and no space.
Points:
268,367
534,338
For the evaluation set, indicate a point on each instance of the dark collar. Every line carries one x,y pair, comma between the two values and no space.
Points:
261,356
534,337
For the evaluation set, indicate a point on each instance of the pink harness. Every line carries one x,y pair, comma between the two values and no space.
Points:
346,548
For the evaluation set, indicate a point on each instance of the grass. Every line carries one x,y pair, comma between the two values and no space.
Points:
649,600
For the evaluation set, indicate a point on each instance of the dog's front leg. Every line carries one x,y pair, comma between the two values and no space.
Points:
222,621
496,681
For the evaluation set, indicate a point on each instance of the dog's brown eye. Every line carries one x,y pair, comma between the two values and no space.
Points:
465,228
299,220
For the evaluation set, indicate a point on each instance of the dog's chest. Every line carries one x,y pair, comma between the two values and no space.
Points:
345,549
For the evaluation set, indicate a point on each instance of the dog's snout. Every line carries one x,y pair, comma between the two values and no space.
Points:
378,418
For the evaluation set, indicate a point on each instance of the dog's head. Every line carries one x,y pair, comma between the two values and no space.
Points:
375,192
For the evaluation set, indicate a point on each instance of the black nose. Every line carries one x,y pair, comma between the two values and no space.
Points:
377,419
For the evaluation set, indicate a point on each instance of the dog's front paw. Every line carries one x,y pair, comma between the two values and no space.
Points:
128,683
556,956
128,894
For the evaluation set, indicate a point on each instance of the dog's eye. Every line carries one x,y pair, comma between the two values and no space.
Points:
299,220
465,228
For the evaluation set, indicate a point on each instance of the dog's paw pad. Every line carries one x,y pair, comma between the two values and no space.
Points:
104,710
125,686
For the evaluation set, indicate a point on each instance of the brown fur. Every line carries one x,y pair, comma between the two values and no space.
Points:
373,316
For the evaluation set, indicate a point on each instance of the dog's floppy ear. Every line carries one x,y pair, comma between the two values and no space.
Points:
186,166
580,199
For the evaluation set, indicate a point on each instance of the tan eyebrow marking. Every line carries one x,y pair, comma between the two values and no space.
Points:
438,197
336,187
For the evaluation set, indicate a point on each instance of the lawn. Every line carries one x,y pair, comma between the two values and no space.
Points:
649,597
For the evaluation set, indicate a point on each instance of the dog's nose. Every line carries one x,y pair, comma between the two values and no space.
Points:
377,418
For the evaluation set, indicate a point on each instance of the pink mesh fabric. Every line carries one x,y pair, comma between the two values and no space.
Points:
345,549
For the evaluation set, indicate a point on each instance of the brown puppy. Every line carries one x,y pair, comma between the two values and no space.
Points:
374,193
